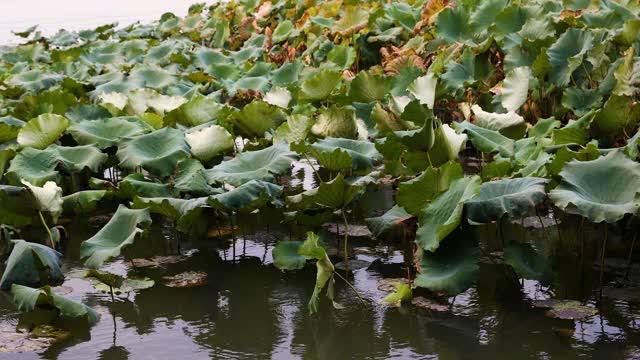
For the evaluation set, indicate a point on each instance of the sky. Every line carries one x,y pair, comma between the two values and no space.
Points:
52,15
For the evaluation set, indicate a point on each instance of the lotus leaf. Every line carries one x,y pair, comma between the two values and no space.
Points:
441,216
29,299
117,234
32,265
253,165
589,189
42,131
157,152
513,197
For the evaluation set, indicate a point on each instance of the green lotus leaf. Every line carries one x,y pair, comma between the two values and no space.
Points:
515,88
29,299
9,128
354,19
278,96
567,53
324,273
191,178
77,158
421,140
151,76
86,112
117,234
283,31
454,25
136,185
7,152
617,114
509,124
48,198
253,165
424,89
42,131
565,155
589,189
157,152
34,80
338,153
335,194
527,262
460,74
257,118
183,211
414,194
82,202
34,166
441,216
575,132
208,141
197,111
294,130
342,55
446,146
107,132
513,197
391,219
452,269
286,257
246,197
287,73
581,101
31,264
486,140
543,127
336,121
320,85
18,206
367,87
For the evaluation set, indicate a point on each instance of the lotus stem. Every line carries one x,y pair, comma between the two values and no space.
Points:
46,227
313,167
352,288
633,242
555,219
233,236
346,239
604,250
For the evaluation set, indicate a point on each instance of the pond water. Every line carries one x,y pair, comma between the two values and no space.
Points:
251,310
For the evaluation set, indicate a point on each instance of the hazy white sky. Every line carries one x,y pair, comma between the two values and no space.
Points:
52,15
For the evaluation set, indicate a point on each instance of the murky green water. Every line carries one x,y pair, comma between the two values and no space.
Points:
251,310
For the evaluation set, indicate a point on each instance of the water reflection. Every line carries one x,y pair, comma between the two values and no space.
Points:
249,309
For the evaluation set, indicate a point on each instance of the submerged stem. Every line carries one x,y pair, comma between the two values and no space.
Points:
46,227
346,238
633,243
604,250
352,288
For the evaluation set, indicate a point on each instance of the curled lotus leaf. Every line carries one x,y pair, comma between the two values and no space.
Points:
443,215
337,153
208,141
120,232
246,197
589,189
286,257
29,299
32,264
42,131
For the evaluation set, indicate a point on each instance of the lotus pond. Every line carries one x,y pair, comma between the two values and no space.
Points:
325,179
